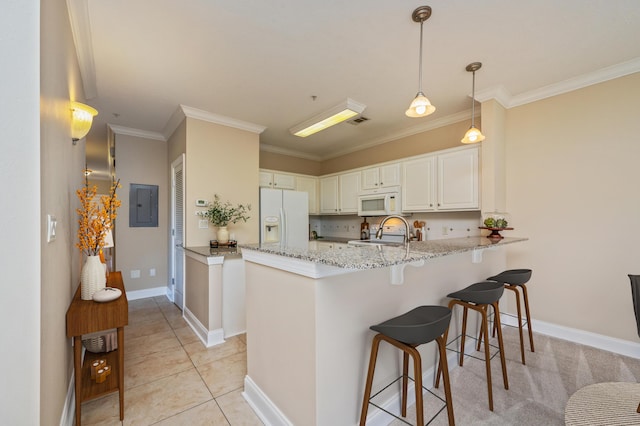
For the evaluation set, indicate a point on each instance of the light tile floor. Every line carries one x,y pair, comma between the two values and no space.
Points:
171,378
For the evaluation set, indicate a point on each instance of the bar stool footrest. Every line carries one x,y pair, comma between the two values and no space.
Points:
491,345
401,418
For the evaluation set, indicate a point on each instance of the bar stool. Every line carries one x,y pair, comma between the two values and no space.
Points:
513,279
407,331
479,297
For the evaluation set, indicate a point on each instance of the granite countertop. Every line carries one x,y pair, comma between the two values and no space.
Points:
209,252
369,257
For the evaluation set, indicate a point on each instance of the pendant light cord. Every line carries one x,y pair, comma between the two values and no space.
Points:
473,100
420,56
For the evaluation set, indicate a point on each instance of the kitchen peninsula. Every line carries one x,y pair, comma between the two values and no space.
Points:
309,312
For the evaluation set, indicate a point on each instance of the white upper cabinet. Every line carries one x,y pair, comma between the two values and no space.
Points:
418,184
329,195
458,182
339,193
277,180
381,177
447,181
349,190
310,186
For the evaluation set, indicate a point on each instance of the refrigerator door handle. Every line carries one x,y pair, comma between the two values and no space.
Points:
283,228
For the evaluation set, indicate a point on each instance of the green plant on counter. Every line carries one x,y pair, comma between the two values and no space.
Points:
222,213
491,222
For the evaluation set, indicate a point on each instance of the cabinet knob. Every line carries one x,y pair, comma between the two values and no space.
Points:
275,184
381,183
375,184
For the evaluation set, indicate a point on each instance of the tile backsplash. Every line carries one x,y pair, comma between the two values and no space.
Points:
438,225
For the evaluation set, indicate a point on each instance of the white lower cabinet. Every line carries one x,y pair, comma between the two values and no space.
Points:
442,182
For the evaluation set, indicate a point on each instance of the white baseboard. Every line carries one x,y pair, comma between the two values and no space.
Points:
147,292
264,408
68,416
208,337
598,341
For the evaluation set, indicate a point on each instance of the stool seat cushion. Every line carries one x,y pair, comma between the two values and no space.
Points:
420,325
485,292
512,276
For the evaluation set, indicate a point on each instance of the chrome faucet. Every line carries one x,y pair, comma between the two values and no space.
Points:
393,216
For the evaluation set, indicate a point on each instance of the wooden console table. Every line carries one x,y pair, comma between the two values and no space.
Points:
87,316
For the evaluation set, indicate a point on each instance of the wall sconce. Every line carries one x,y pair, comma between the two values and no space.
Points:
331,117
81,119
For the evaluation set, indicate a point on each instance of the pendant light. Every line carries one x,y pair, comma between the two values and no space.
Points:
473,135
420,107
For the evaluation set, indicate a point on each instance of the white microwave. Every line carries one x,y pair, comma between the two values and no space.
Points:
379,202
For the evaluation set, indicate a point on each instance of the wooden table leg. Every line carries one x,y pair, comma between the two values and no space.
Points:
77,372
121,370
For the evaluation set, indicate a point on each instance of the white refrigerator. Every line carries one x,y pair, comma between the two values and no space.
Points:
284,217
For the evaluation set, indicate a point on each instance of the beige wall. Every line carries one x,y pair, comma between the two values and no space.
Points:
220,160
142,161
272,161
177,145
61,165
572,187
433,140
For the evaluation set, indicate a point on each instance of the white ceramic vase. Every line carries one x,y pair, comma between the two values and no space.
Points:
92,277
223,235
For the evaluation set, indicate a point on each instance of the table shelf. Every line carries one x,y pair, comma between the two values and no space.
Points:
86,317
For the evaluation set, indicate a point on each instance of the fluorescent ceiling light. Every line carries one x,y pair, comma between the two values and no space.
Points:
335,115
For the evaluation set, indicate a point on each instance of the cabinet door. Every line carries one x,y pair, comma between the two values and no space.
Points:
349,189
329,195
371,178
266,180
309,185
458,180
390,175
284,181
418,185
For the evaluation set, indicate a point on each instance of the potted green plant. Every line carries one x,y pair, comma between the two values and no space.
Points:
220,214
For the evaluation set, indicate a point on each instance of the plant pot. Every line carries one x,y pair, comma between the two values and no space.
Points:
223,235
92,277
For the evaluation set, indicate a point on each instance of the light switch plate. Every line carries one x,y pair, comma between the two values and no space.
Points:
52,224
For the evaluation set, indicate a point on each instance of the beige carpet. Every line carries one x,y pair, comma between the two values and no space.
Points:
538,392
604,404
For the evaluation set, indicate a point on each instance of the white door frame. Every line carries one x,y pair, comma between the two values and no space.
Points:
176,276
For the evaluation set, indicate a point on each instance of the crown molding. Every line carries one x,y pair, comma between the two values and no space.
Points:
129,131
81,31
502,95
184,111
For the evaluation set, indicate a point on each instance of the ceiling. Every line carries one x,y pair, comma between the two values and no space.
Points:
278,63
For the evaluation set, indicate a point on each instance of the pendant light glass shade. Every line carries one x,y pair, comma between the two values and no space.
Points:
473,135
420,107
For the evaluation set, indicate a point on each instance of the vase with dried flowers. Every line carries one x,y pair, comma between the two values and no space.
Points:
95,221
220,214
